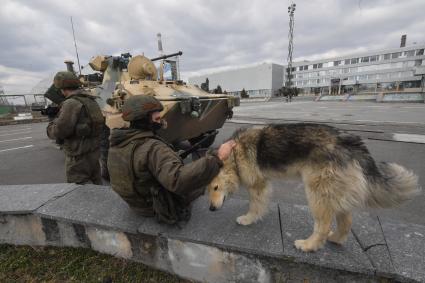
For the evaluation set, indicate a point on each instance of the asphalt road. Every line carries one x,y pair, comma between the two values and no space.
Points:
392,132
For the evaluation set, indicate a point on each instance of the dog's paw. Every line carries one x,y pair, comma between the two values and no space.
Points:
335,238
306,245
244,220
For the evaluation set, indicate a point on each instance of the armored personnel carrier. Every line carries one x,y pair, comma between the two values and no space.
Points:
191,112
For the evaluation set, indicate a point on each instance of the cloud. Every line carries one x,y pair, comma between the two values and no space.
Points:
36,36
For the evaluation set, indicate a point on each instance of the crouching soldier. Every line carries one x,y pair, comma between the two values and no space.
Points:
79,124
148,174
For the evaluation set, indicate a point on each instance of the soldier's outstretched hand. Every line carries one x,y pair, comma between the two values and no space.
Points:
225,149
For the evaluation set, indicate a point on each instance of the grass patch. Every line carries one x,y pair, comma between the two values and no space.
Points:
48,264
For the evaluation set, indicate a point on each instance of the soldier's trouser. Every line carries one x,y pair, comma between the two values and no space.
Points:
83,168
104,149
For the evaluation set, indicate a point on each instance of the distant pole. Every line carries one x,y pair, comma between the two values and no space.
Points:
159,38
75,44
291,10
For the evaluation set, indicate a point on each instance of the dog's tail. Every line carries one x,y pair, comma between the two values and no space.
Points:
394,185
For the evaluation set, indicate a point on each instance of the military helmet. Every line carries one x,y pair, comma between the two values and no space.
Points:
139,106
64,80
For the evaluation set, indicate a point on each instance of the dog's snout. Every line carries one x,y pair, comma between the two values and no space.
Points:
213,208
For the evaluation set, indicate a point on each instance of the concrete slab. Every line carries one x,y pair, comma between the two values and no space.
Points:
297,223
23,199
219,228
406,244
368,232
94,205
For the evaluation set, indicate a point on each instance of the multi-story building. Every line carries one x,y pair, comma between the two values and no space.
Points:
261,80
374,71
367,72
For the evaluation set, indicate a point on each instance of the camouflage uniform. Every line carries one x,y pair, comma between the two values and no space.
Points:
147,173
79,125
139,160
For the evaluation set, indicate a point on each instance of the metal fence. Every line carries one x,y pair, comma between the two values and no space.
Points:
20,103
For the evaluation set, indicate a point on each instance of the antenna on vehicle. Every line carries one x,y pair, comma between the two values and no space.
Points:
75,44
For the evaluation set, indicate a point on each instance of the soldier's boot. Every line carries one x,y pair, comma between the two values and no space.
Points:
104,168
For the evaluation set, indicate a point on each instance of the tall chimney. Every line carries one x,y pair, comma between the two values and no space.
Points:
403,40
69,66
158,35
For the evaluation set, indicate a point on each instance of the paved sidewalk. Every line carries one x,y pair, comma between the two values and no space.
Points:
211,247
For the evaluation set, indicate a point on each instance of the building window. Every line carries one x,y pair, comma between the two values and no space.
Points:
420,52
374,58
411,84
354,60
395,55
347,61
409,53
365,59
408,64
396,65
387,56
418,62
407,74
337,63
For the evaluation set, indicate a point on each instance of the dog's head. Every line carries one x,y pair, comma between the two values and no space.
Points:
225,183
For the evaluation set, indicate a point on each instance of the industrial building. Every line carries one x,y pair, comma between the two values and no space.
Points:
261,80
367,72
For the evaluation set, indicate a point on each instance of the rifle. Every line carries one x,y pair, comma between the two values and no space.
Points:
52,109
198,145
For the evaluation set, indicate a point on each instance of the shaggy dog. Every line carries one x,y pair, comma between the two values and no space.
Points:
336,168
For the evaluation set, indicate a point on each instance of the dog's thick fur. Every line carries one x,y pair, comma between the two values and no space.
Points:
337,169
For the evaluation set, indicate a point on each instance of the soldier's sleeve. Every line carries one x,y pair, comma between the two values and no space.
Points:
64,125
177,177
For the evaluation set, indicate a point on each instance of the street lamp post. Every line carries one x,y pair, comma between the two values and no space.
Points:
291,10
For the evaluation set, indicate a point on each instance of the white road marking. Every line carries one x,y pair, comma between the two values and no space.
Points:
15,148
25,138
24,132
237,121
16,130
386,122
409,138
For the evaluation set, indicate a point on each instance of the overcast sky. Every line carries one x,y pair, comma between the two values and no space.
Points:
36,35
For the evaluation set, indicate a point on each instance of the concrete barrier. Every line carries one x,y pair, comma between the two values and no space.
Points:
362,97
333,98
211,247
400,97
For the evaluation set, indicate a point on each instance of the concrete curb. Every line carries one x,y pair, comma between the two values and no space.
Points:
381,97
29,121
211,247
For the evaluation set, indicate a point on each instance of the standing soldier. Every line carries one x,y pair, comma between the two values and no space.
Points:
148,174
79,124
